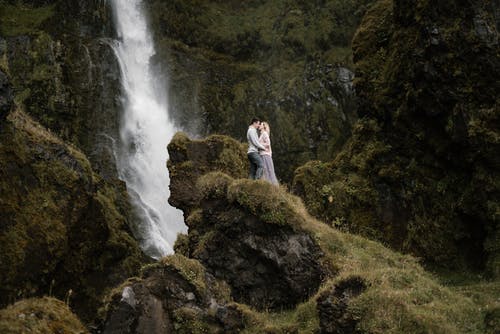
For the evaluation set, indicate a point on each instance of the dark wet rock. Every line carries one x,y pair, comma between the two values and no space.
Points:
268,267
268,261
6,96
145,316
174,295
332,307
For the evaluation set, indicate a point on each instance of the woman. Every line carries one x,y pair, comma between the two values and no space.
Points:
266,154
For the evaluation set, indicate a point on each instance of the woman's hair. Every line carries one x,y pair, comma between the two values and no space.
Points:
266,127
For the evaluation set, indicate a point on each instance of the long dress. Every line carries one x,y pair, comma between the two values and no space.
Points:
266,156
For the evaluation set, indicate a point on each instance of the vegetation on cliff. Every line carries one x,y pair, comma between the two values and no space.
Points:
421,169
64,229
419,172
65,215
63,72
286,61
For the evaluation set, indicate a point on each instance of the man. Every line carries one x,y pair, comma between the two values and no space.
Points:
256,164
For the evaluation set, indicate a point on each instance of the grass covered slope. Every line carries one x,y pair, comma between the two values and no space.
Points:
64,230
44,315
368,288
421,169
364,288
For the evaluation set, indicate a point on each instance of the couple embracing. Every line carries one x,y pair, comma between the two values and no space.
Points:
259,152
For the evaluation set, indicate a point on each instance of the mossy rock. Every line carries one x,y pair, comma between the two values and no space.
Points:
63,74
248,233
363,286
189,159
418,171
65,230
366,287
175,294
42,315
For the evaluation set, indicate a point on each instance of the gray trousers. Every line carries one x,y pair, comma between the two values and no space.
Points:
256,165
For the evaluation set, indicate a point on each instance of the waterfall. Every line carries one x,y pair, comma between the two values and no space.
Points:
145,131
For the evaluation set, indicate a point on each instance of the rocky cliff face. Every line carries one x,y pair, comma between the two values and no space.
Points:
64,217
286,61
63,71
421,169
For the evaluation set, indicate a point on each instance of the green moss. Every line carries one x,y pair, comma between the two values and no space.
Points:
22,19
400,296
188,321
214,185
192,270
44,315
261,199
181,245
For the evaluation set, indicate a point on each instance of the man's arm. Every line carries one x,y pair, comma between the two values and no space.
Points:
255,140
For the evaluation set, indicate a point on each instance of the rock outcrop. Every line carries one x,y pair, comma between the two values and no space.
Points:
175,295
421,169
64,230
253,244
190,159
245,234
236,227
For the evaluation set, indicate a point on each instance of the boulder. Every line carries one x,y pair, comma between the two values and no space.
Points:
174,295
247,233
